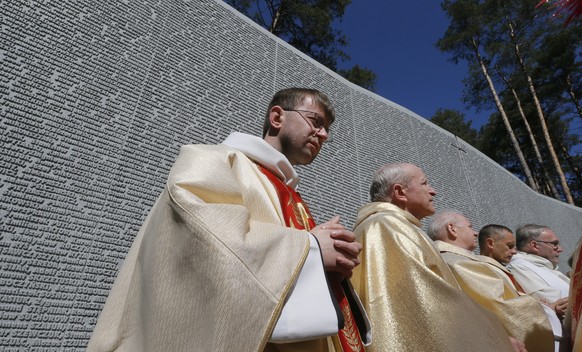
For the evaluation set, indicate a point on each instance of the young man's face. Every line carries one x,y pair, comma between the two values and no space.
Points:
503,247
419,194
300,140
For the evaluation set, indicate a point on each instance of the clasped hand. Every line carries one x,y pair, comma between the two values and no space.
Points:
338,247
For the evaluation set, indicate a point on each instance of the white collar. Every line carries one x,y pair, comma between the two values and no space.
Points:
263,153
535,259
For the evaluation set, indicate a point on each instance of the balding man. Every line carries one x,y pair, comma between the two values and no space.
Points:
412,298
522,316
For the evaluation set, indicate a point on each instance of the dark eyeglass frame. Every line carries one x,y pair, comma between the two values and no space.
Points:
555,244
317,121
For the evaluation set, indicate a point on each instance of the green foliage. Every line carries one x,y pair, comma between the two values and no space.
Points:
498,34
454,122
361,76
307,25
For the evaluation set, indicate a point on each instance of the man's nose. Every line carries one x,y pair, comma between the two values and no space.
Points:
322,133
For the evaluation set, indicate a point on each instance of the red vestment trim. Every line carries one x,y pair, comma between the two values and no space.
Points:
576,293
297,215
515,283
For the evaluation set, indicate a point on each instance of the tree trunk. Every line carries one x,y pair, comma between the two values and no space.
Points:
554,156
276,16
514,142
573,95
573,166
532,139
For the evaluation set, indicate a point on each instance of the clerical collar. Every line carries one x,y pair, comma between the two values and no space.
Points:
263,153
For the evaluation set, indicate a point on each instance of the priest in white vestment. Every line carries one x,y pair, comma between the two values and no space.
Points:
535,266
220,264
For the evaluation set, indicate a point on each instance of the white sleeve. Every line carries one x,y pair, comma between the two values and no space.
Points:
554,321
309,312
533,284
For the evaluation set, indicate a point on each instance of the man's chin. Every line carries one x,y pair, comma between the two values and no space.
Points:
306,160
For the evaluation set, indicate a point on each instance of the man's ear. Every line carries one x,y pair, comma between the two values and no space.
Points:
276,117
533,247
451,232
399,193
490,242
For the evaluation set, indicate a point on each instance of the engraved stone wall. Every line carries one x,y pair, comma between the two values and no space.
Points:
97,97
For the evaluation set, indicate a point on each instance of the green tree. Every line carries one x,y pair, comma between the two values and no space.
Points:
308,26
467,38
363,77
455,122
527,65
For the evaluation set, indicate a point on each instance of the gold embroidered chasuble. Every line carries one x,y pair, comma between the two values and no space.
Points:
412,298
211,266
522,316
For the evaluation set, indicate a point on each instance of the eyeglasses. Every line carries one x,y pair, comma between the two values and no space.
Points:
317,121
555,244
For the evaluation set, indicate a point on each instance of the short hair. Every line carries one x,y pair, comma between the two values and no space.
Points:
387,176
527,233
491,230
439,222
290,98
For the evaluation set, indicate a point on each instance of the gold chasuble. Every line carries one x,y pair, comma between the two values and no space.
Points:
412,298
522,316
575,300
297,215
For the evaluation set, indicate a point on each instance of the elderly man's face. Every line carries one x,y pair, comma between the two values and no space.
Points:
547,247
419,193
467,237
503,247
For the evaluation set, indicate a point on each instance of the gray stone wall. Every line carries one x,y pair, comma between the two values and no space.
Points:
96,98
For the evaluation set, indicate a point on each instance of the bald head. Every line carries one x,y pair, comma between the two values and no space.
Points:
454,228
404,185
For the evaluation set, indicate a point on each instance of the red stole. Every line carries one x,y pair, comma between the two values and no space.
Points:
515,283
297,215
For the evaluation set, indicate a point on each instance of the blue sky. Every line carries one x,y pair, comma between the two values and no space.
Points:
396,39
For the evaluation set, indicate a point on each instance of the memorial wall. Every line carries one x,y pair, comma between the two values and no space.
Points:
97,97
